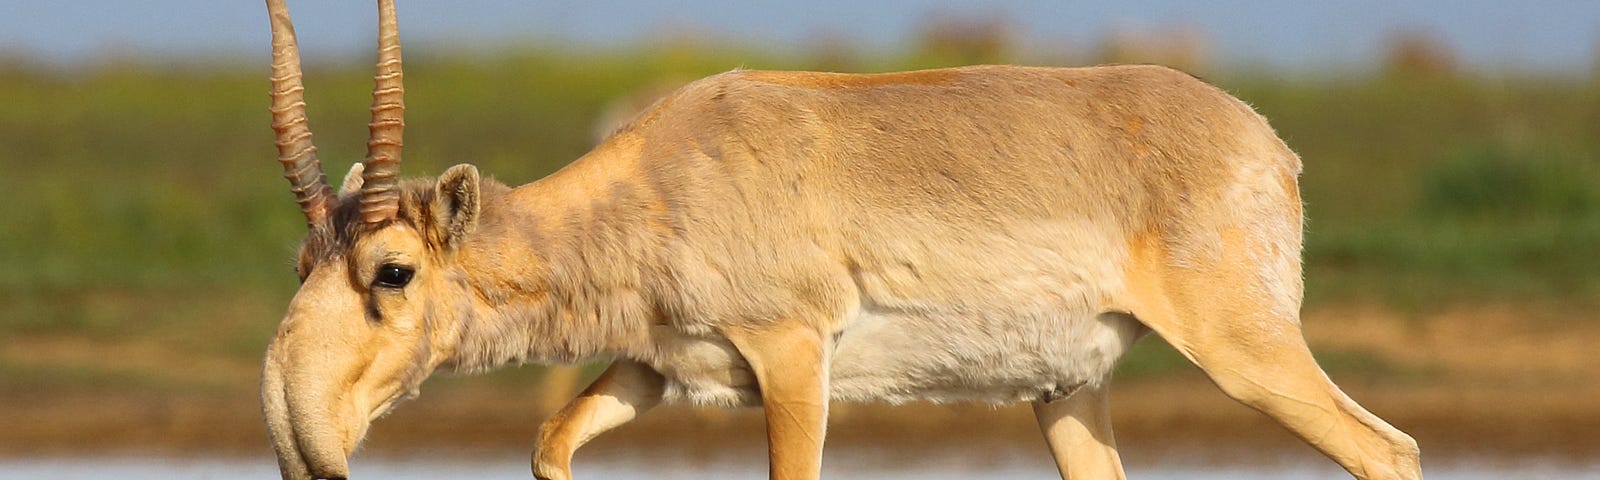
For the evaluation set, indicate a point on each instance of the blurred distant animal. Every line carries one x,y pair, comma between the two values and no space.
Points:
621,111
786,239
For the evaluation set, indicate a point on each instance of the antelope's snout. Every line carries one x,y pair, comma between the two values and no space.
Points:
297,459
305,400
329,371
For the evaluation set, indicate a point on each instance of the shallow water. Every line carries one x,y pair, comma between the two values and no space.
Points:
509,468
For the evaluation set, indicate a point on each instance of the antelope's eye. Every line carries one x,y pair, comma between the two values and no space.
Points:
393,276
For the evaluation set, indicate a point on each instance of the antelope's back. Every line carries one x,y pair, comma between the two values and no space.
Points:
1136,146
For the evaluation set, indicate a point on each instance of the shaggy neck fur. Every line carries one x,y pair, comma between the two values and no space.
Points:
558,273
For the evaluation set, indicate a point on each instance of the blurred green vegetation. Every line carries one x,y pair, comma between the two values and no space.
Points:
145,202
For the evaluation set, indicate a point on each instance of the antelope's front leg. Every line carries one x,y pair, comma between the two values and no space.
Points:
1078,430
626,390
790,362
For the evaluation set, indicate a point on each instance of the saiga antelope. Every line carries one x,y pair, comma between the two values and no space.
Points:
785,239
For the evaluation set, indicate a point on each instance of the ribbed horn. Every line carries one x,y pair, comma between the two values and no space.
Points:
295,150
380,188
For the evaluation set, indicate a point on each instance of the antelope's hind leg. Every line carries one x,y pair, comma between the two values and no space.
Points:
1237,318
625,391
1078,431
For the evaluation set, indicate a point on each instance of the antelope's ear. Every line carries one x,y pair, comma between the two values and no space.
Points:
455,204
352,180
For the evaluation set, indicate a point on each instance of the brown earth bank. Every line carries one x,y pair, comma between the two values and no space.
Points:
1483,383
1151,419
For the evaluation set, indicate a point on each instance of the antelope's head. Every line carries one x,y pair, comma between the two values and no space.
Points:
371,319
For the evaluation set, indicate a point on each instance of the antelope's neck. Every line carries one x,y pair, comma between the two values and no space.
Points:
562,268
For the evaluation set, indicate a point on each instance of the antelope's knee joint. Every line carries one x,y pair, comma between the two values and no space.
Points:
1060,392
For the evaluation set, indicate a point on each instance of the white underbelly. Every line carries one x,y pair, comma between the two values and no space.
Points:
898,357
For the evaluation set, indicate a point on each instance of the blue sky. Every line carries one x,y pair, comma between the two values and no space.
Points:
1544,34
